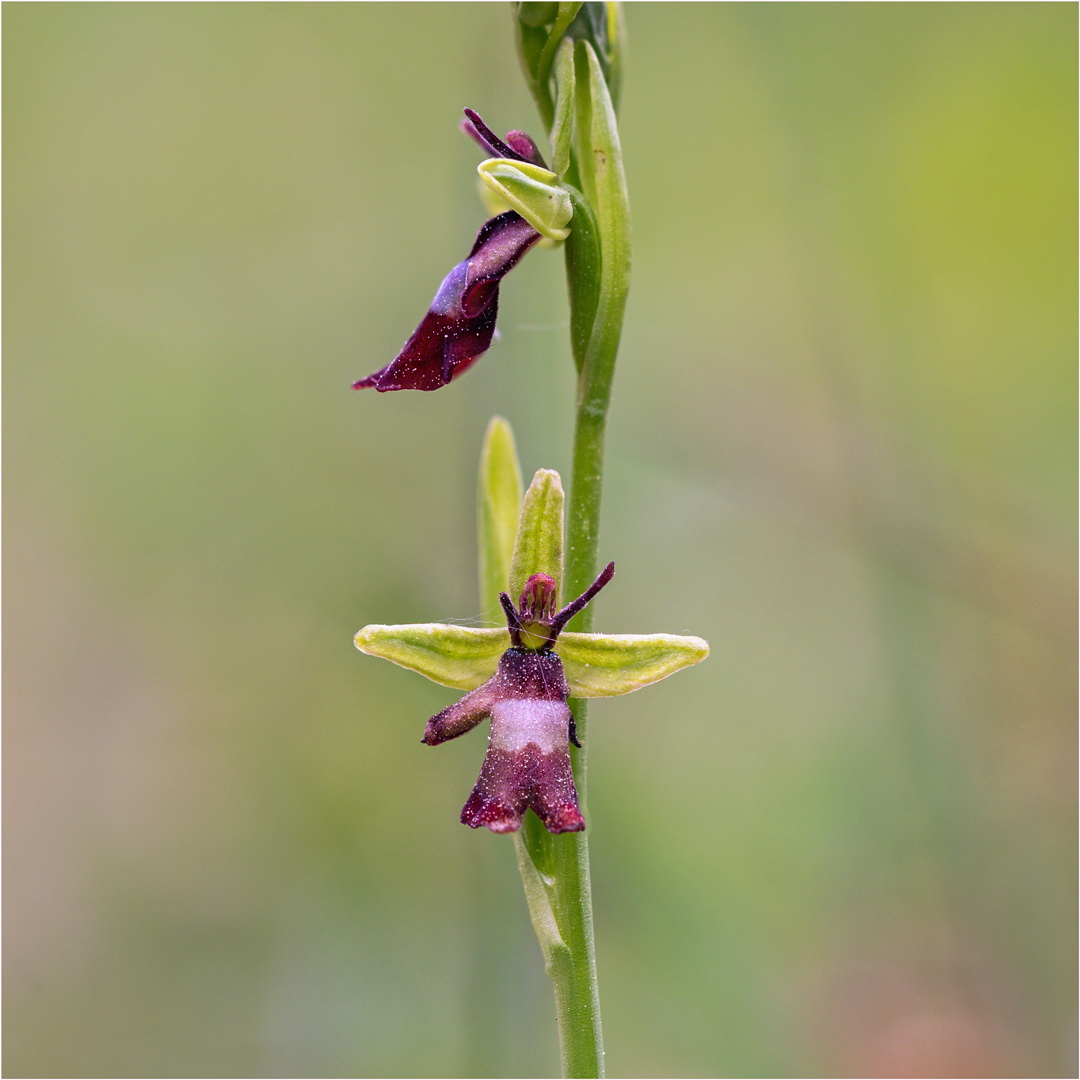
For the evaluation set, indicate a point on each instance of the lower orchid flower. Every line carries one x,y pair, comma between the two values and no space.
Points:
527,765
521,675
460,324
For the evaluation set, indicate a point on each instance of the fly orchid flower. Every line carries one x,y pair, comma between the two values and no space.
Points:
460,324
527,765
521,675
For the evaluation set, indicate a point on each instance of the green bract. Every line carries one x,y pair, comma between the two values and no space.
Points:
534,192
540,29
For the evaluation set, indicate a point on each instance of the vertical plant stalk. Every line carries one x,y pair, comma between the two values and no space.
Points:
555,869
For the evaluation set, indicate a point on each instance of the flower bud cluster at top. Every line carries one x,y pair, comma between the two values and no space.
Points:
541,26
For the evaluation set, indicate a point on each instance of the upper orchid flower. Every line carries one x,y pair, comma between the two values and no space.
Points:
460,323
521,675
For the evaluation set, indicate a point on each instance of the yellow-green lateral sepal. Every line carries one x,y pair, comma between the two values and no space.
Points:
605,665
534,192
463,657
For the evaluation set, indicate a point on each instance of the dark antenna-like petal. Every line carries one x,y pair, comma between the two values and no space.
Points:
575,606
489,140
512,621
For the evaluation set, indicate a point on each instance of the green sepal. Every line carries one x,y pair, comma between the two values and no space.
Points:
563,127
539,545
498,502
605,665
533,191
463,657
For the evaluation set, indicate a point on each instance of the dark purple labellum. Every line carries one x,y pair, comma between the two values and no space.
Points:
527,765
513,781
460,323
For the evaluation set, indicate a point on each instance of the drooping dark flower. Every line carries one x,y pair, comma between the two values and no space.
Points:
527,765
459,325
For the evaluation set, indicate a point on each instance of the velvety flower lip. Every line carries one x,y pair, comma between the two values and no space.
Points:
460,323
527,764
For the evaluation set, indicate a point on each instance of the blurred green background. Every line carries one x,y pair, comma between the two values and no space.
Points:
842,449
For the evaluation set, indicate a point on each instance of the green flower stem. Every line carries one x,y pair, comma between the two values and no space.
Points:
556,868
572,966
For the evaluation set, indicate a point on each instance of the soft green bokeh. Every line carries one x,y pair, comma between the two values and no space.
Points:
842,450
